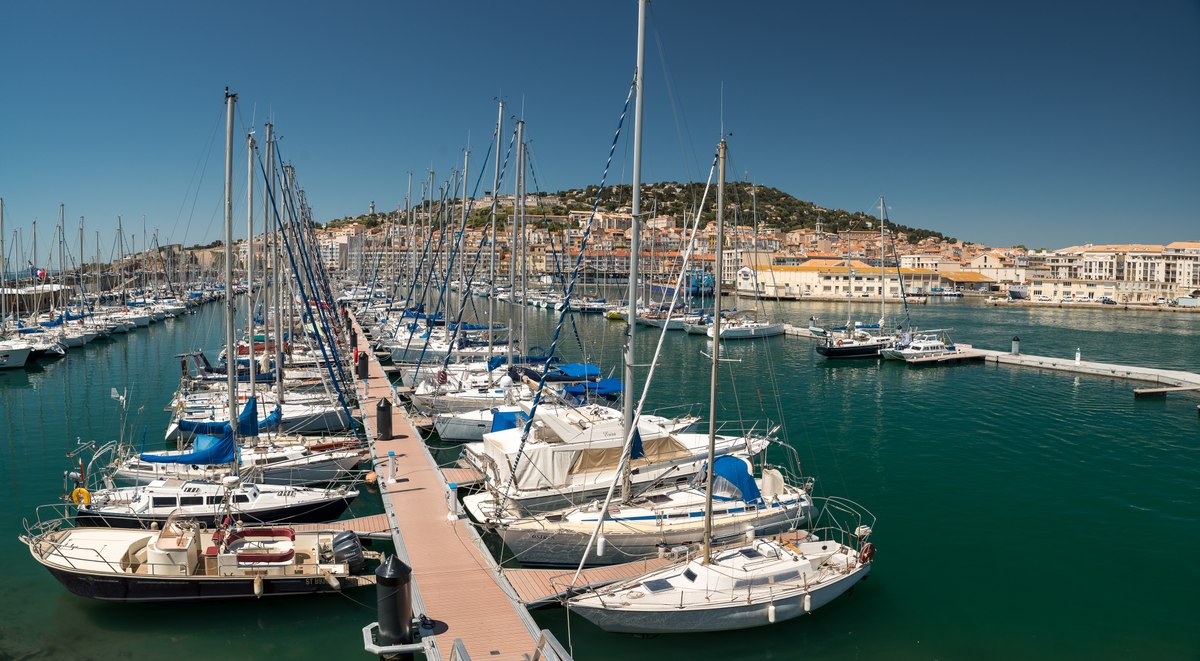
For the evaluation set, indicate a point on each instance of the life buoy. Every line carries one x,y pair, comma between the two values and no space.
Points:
839,343
441,377
81,495
867,552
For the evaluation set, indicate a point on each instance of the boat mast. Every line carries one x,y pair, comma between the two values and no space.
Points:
230,348
492,236
882,267
3,278
635,244
56,297
82,291
718,265
250,258
512,249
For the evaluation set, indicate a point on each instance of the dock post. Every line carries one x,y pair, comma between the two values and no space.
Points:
1076,355
383,419
363,368
1016,346
393,596
392,466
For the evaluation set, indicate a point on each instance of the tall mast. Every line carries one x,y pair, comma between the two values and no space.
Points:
82,291
276,277
56,297
512,248
230,349
718,265
521,221
492,236
462,270
250,257
3,276
410,234
882,266
635,243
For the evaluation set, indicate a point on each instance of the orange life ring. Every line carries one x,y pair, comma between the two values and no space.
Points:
867,552
839,343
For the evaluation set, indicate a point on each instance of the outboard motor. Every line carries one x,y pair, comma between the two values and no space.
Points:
347,549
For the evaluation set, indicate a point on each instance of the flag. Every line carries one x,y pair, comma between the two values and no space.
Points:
36,272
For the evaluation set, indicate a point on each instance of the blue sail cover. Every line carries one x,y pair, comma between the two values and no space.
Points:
497,361
603,387
246,422
206,450
502,420
636,451
736,473
580,370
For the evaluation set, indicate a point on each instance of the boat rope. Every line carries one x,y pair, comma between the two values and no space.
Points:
537,396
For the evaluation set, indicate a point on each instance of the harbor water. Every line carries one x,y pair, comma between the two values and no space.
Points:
1021,513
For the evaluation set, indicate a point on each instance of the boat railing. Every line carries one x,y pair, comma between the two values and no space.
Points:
843,521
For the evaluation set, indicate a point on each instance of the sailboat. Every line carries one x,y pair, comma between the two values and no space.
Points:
184,560
755,583
13,353
855,340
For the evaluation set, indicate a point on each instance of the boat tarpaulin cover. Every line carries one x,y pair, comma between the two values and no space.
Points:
206,450
502,420
734,471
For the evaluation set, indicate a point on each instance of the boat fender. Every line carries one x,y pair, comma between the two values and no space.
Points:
867,552
258,587
839,343
81,496
331,580
441,377
771,612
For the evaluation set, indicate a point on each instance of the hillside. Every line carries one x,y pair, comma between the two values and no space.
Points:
775,208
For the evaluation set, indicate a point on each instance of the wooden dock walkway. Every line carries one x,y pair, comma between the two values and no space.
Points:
375,526
455,580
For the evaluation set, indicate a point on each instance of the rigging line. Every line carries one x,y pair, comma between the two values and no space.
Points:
681,127
201,168
537,397
630,433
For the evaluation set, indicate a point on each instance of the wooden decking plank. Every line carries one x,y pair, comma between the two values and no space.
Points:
456,584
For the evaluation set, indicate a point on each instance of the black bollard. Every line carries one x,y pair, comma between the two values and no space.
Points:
383,419
362,365
353,337
393,595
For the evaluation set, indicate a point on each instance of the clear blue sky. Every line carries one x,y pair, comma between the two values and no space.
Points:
1027,122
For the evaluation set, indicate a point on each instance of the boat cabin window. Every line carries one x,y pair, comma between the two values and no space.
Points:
241,498
163,501
191,500
750,553
214,500
657,585
689,575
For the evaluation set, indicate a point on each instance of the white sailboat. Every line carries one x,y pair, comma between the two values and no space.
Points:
753,584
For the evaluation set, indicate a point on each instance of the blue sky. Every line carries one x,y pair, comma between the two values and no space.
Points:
1044,124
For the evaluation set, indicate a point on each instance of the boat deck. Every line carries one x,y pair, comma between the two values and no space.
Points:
455,581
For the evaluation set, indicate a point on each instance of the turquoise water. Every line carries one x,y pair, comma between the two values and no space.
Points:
1021,513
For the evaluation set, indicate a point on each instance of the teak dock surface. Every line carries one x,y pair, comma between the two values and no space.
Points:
455,582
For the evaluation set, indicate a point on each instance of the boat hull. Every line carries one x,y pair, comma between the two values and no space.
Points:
145,589
544,548
850,350
317,512
724,616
